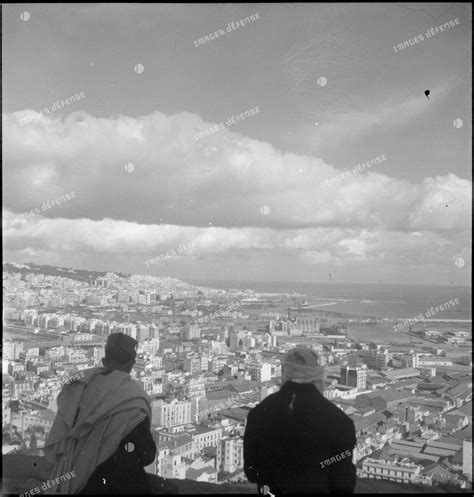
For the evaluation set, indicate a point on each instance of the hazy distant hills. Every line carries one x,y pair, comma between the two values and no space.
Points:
74,274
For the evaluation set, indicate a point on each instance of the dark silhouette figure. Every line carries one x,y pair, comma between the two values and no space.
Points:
102,428
297,441
123,472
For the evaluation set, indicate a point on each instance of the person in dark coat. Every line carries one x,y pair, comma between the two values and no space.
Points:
297,441
123,472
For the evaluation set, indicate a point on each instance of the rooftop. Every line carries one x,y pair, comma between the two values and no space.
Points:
391,395
237,413
401,373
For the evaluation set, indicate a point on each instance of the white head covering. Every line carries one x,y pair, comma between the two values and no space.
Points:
302,365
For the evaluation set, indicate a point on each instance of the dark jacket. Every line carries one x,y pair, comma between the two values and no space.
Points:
123,472
292,439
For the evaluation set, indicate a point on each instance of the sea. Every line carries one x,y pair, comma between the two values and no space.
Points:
390,302
378,300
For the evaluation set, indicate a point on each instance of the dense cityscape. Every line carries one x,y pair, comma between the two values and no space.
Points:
207,356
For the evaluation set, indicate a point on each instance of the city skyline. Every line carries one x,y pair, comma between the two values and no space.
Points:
247,200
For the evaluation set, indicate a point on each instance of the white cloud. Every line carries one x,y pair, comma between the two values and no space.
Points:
186,182
314,245
223,179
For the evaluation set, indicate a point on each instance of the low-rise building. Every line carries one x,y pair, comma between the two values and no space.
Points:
203,436
172,466
400,472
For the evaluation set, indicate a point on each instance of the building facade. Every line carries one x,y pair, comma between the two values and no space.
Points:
354,377
173,413
230,454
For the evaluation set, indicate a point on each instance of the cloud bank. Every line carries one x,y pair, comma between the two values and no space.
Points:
181,189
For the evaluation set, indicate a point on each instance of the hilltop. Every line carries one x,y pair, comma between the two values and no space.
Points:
83,275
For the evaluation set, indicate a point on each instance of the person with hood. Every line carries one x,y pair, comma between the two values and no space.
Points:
297,441
102,428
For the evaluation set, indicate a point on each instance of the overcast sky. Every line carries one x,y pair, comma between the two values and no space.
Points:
331,92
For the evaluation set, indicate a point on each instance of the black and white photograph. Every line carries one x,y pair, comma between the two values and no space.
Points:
237,248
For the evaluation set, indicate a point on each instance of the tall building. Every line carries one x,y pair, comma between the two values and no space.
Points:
173,413
230,454
410,359
216,364
31,318
354,377
12,350
143,332
6,414
155,332
191,332
192,364
43,321
196,387
467,458
239,340
407,414
260,371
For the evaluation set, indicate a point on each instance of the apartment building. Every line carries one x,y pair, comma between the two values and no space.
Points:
259,371
354,377
191,332
171,413
374,359
172,466
381,469
230,454
204,437
467,459
192,364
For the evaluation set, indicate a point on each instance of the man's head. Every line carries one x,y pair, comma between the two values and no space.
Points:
303,365
120,352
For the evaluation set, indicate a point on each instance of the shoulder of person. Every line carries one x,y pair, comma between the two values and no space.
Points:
267,404
143,427
344,421
132,386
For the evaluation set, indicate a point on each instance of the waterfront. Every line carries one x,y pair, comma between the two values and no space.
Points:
381,300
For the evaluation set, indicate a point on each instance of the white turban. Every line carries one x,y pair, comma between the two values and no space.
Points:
302,365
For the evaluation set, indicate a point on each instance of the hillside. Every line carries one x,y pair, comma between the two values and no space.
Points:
74,274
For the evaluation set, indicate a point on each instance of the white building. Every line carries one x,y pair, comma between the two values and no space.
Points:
433,361
260,371
11,350
173,467
171,414
205,437
230,454
467,459
307,324
6,414
400,472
